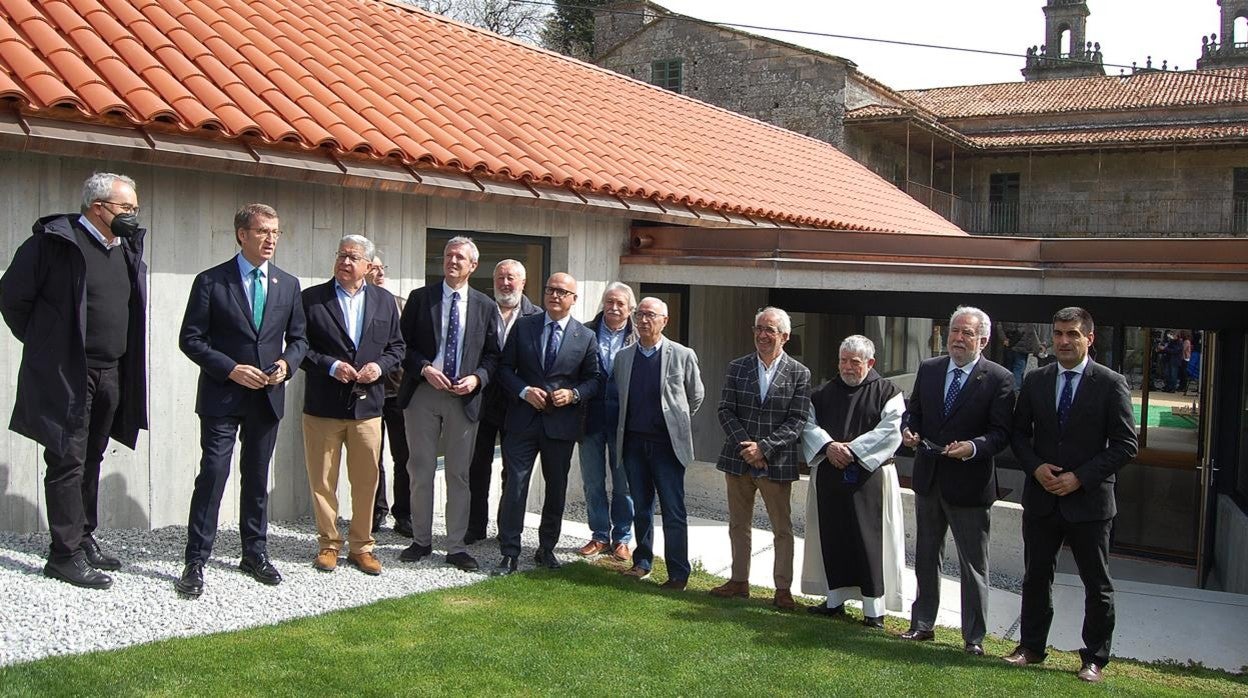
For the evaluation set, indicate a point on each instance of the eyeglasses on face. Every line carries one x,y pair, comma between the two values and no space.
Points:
270,233
559,293
647,315
765,329
124,207
354,258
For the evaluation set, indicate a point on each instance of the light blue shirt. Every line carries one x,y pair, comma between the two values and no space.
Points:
652,350
86,223
609,344
766,375
1075,380
439,361
966,376
352,313
245,268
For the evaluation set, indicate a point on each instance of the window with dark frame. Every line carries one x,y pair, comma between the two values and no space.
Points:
668,74
677,298
1239,200
1003,197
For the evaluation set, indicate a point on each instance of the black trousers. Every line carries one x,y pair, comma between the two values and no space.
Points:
521,450
257,432
480,471
1089,543
392,423
71,484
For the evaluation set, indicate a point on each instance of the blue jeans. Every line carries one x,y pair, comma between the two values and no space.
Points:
1017,363
652,466
597,455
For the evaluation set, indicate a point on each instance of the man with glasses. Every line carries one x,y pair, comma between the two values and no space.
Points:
75,295
762,410
244,327
660,391
452,353
610,518
957,420
549,369
353,341
395,427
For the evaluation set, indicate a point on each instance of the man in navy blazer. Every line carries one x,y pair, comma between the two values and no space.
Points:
452,353
353,342
549,371
957,420
1073,431
244,326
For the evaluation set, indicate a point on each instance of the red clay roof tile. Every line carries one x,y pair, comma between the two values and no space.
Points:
391,81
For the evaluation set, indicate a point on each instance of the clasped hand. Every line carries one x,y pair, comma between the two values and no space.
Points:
1056,480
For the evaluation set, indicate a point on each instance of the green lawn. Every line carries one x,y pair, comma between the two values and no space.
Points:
583,630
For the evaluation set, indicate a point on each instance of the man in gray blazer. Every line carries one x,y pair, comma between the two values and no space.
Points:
765,403
660,389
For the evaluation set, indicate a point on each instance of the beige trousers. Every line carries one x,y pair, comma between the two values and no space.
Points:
323,440
741,489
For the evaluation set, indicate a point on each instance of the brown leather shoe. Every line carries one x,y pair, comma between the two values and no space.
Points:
1090,672
783,600
677,584
621,552
593,547
918,635
732,590
365,562
326,560
636,572
1021,656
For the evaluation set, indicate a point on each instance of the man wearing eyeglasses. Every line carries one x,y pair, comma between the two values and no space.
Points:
957,420
550,370
452,353
75,295
244,326
762,410
353,341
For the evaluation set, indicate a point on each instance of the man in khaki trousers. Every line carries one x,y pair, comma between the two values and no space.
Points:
353,340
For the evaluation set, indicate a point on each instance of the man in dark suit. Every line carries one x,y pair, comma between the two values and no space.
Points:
452,353
1073,431
958,419
74,296
394,427
549,371
353,341
509,278
244,326
763,407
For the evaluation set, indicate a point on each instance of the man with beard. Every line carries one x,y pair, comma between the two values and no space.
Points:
854,532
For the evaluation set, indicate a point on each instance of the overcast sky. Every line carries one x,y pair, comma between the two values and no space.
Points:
1128,30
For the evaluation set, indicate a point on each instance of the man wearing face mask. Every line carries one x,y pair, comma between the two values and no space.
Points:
74,295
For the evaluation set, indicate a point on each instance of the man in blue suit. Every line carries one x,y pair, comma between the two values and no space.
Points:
244,326
549,371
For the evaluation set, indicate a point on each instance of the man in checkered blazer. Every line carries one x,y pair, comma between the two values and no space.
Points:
764,405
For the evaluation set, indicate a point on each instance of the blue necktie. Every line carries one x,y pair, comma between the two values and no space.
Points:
552,346
1068,396
954,386
258,294
449,364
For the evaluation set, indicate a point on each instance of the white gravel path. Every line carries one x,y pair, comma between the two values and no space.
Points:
41,617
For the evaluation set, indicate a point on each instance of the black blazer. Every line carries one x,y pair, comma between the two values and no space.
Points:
1098,440
576,367
494,402
980,414
381,342
422,331
217,334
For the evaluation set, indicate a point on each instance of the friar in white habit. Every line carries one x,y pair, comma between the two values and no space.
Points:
854,529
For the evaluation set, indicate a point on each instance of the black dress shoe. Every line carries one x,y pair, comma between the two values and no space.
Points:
463,561
507,565
876,622
918,635
415,552
379,522
403,527
823,610
77,571
547,559
261,569
192,581
974,648
97,558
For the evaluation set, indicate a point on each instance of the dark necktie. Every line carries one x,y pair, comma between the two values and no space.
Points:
1068,395
552,346
258,294
449,364
954,386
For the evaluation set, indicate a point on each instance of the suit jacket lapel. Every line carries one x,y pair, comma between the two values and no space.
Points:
472,336
435,315
1049,383
334,308
782,372
1086,386
972,384
240,293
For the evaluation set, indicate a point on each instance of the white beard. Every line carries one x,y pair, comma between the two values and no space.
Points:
507,300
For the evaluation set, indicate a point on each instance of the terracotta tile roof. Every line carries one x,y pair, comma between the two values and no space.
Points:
368,79
1116,136
872,111
1227,86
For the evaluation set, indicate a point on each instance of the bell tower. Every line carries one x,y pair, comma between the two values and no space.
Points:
1231,51
1066,52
